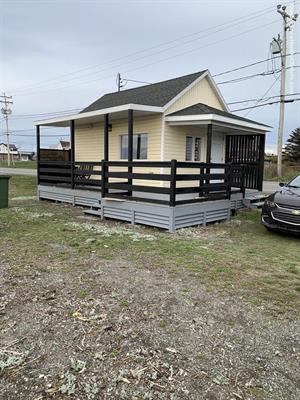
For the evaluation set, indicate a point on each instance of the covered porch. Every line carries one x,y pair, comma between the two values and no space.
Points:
165,193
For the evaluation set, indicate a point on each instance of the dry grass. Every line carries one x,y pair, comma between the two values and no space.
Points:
103,310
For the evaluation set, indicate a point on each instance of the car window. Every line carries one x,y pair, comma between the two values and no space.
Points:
295,182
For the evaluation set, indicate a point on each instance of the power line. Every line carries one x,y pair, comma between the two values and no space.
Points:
260,99
156,62
265,93
266,104
266,73
238,21
253,64
30,136
47,113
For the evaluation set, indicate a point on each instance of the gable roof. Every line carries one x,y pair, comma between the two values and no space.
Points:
12,147
157,94
64,143
201,109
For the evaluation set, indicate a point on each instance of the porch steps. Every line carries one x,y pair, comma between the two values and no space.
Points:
95,210
255,201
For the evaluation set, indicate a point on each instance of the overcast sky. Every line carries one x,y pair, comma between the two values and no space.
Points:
60,55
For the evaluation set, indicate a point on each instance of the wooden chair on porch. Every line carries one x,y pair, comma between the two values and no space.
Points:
86,170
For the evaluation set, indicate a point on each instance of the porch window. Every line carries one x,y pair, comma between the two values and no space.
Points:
192,148
140,146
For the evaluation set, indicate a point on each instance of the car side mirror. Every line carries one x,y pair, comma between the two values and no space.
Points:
282,184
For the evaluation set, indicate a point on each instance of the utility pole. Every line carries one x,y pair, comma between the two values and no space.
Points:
119,81
6,111
288,21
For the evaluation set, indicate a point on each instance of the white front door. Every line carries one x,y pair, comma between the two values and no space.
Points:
217,153
217,148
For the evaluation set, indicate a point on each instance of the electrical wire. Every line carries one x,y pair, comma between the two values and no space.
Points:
260,99
153,63
231,24
266,104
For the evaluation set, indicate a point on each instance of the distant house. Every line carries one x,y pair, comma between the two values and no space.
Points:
13,150
63,145
26,155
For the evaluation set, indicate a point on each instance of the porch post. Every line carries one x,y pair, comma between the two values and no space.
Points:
262,144
209,143
72,152
208,149
106,138
104,167
38,151
130,147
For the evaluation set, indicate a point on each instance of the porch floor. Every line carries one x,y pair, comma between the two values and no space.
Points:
145,212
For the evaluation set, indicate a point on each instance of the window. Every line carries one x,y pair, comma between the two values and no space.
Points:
193,149
140,146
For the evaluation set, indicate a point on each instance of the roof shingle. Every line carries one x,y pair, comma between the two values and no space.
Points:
157,94
200,109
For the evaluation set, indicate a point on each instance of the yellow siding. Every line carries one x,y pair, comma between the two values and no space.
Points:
175,138
202,92
89,142
89,139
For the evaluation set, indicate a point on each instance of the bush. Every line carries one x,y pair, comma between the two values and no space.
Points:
288,172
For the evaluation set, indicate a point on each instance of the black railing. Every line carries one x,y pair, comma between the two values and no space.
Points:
172,182
215,181
67,174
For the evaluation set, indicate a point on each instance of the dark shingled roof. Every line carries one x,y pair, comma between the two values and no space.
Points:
12,147
156,94
200,108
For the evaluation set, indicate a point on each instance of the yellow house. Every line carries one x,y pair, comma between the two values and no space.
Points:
169,144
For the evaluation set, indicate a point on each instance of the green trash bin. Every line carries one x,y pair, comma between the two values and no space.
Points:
4,180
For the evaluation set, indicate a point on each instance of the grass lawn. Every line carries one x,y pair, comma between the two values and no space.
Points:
105,310
19,164
22,186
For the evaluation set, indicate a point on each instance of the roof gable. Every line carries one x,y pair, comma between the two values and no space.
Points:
157,94
203,90
201,109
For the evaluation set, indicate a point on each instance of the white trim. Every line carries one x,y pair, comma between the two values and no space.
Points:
199,79
194,138
210,118
217,91
186,89
162,139
162,146
125,107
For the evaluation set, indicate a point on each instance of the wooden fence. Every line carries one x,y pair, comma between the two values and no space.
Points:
178,182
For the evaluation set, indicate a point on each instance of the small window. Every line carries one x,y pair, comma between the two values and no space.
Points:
189,149
193,149
140,146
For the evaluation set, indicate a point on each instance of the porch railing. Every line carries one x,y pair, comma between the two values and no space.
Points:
65,173
214,181
172,182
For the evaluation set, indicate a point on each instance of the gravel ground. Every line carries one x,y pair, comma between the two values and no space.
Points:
138,333
93,310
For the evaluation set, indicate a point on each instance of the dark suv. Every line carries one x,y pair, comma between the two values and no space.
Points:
281,210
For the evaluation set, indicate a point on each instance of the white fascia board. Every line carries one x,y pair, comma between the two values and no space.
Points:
215,88
210,118
185,90
217,91
110,110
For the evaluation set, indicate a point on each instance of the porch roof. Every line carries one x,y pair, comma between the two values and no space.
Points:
202,114
95,116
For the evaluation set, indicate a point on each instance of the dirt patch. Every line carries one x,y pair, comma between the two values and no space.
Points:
112,330
101,310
